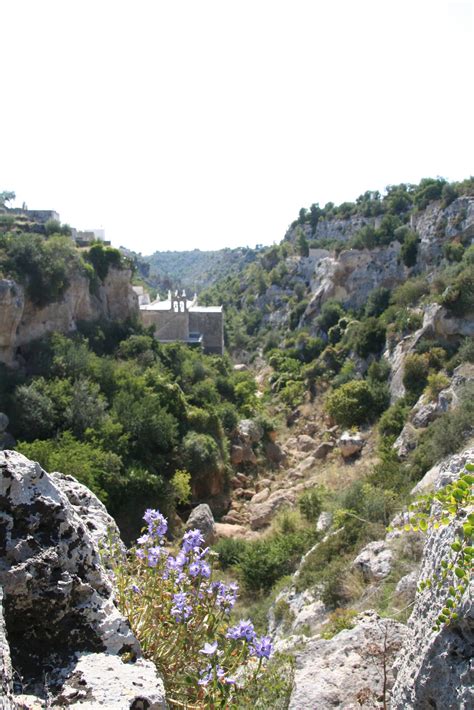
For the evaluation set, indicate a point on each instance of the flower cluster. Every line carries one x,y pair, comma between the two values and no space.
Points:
180,615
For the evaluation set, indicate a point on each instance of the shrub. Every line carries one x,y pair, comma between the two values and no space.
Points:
331,312
263,562
347,373
181,485
453,251
377,301
230,551
415,375
393,420
339,620
311,503
103,258
437,382
410,292
92,466
44,266
351,404
369,337
200,454
459,296
409,249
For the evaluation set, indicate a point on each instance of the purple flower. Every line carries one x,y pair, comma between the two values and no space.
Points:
144,539
243,630
154,554
180,610
226,596
135,589
262,647
140,554
157,523
194,569
209,648
192,539
206,676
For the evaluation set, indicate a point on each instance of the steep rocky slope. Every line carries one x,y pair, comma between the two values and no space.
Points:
21,321
379,660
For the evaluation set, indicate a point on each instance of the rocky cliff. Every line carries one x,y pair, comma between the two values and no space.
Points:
435,668
21,321
62,631
380,662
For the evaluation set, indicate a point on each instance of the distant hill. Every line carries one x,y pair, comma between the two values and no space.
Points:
193,270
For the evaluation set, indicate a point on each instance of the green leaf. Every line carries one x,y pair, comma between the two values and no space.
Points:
456,546
459,572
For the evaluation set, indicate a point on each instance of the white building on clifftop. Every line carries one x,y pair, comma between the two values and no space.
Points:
179,319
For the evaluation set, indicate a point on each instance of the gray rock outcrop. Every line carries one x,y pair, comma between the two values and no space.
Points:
374,562
202,519
58,598
6,684
435,668
351,670
350,444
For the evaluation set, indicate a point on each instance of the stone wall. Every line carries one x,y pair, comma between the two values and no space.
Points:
168,324
211,325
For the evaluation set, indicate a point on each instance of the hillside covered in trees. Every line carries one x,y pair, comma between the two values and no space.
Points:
347,388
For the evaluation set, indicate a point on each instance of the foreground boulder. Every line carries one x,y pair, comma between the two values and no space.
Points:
351,670
58,598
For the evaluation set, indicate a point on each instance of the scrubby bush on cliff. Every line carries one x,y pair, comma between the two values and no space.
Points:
104,258
43,266
392,421
351,404
459,296
368,337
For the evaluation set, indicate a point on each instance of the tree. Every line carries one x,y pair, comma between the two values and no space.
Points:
302,245
6,196
351,404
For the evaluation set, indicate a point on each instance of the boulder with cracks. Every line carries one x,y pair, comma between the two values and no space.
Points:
58,599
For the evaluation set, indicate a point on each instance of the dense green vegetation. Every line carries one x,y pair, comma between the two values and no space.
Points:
123,413
144,424
45,263
192,270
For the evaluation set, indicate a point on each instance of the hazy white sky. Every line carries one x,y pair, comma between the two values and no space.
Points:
185,124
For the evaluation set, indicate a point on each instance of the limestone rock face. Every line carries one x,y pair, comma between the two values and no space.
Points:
374,561
436,225
12,302
201,518
435,668
351,277
425,411
58,598
21,321
347,670
100,525
437,323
